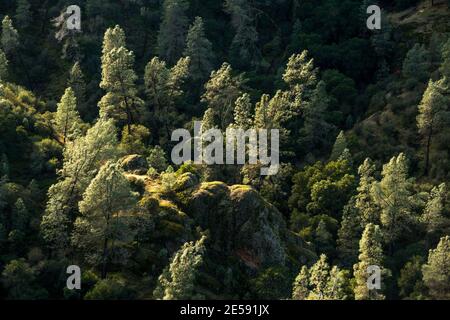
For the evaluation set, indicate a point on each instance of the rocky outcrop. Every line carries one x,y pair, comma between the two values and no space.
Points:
134,163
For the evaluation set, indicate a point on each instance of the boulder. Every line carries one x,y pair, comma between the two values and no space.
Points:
135,164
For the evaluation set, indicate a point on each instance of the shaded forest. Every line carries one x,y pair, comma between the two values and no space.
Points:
86,176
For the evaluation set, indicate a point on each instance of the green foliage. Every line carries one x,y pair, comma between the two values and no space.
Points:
417,63
9,37
177,282
20,280
371,254
221,92
102,233
199,50
157,159
172,31
3,66
67,119
118,79
435,277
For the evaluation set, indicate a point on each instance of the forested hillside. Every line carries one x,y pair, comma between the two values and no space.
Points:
87,176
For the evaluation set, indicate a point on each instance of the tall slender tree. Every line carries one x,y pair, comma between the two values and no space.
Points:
177,281
432,116
436,275
199,49
101,230
67,119
118,79
172,31
371,254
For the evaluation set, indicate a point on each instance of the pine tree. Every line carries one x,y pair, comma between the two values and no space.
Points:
349,234
315,134
244,49
164,88
364,202
199,49
300,289
77,83
436,273
82,158
393,196
114,38
10,36
261,112
101,231
371,254
433,214
67,119
445,65
118,79
339,146
417,63
20,216
243,117
319,272
300,71
338,286
23,13
3,66
323,238
177,282
172,32
222,90
431,118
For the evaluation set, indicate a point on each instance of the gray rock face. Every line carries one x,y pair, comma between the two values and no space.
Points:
241,223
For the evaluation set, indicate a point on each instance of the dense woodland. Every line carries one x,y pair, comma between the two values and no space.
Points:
86,176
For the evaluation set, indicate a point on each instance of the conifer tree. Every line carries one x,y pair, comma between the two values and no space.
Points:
434,212
301,73
300,289
3,66
432,116
244,49
364,201
77,83
172,31
319,276
20,216
118,79
221,92
10,36
393,196
177,282
323,238
445,65
349,234
315,134
338,286
435,272
23,14
339,146
417,63
82,159
199,49
371,254
243,117
67,119
164,87
101,229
